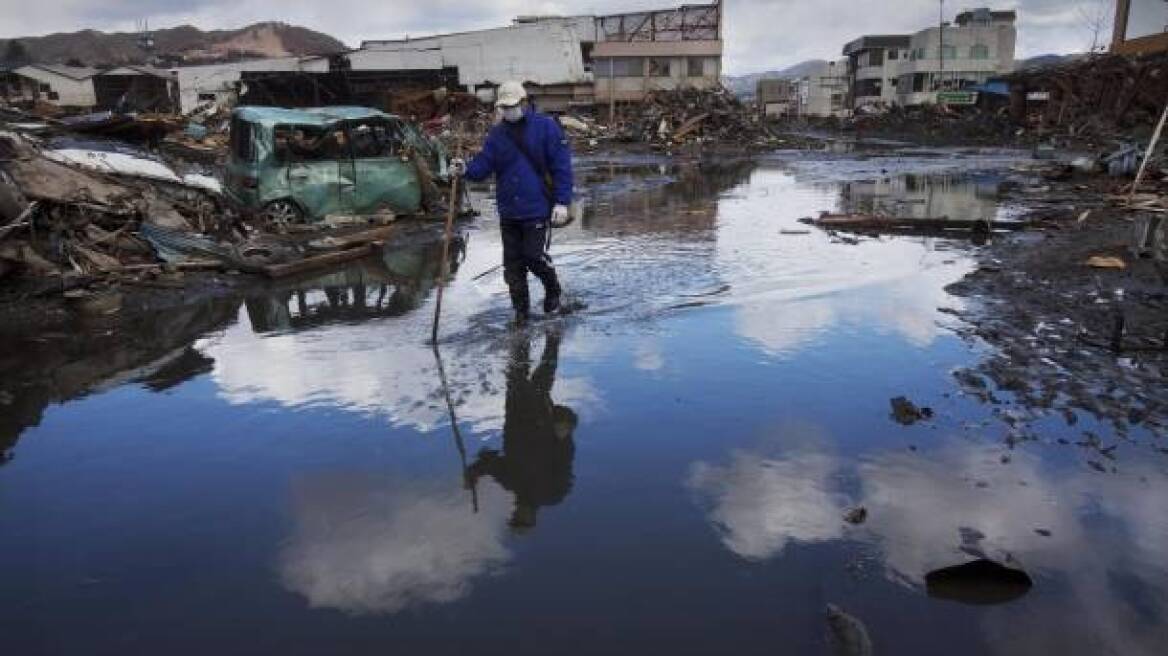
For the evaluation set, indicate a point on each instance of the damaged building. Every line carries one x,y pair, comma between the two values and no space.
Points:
222,83
64,86
136,88
566,62
637,54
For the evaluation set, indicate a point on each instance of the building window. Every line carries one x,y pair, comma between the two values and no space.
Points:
622,67
979,51
45,88
949,52
53,95
876,58
660,67
206,97
893,55
696,67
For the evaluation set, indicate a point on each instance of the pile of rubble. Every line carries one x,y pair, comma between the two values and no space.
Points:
70,213
692,116
937,124
84,219
1092,101
203,137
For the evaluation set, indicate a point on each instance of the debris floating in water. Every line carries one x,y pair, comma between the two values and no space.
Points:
907,413
849,636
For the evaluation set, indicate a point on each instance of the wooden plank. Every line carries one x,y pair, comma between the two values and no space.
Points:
899,224
320,261
689,126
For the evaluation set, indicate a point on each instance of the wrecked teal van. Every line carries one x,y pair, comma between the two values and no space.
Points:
302,165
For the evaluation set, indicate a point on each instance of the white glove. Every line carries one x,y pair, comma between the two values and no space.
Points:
560,216
458,167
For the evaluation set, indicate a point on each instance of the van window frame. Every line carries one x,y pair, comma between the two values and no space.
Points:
243,140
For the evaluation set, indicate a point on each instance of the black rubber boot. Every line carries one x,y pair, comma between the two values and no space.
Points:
551,303
520,302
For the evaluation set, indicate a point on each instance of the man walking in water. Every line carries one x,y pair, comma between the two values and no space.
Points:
529,156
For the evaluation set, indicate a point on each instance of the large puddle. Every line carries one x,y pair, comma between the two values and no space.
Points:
667,470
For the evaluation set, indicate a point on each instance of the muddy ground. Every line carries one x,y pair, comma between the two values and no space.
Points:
1070,339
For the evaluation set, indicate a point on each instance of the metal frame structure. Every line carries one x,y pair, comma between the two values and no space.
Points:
685,23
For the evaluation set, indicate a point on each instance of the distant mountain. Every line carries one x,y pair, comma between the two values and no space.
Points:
1042,61
745,85
183,44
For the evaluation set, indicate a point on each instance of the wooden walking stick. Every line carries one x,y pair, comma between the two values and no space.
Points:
444,272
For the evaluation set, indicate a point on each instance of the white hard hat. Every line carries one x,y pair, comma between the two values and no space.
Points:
510,94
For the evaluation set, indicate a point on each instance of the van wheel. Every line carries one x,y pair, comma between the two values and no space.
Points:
282,213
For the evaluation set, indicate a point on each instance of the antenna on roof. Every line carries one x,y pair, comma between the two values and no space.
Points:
145,38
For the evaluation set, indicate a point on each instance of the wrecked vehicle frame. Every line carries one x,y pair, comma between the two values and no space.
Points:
292,166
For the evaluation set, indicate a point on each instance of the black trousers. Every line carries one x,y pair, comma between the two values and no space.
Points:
525,249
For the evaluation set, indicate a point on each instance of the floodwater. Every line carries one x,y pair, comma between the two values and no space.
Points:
665,471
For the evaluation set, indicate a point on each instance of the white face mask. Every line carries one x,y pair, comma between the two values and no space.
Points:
513,114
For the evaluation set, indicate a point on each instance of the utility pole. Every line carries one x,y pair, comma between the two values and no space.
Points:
941,50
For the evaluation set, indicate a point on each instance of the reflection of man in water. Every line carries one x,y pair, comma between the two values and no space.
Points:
536,463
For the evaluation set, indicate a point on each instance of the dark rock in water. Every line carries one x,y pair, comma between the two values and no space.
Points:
856,515
1043,532
849,637
906,412
979,582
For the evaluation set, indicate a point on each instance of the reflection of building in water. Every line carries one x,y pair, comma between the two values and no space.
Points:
642,199
391,286
152,347
536,462
923,197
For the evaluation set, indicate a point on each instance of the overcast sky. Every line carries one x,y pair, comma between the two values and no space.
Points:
760,34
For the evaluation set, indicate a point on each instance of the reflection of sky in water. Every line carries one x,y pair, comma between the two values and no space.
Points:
760,502
364,544
1102,562
314,464
789,289
786,290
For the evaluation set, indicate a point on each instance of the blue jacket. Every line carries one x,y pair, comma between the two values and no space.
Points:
519,188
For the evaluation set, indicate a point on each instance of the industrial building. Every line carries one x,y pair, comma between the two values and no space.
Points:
571,60
566,61
1141,27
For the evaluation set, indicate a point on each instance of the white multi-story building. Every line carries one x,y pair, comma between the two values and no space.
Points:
824,91
910,69
873,68
978,46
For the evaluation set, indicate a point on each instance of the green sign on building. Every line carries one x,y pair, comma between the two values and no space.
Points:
957,98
